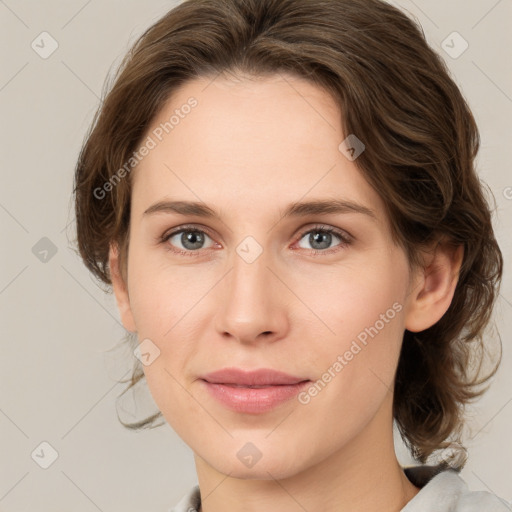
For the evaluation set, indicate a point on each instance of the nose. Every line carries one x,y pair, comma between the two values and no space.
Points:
253,302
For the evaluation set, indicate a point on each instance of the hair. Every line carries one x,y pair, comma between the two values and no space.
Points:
396,95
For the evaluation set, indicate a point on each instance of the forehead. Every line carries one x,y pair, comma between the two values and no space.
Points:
248,144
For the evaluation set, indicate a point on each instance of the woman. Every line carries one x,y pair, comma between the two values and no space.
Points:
282,195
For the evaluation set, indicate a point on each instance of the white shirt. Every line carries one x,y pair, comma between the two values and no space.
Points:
443,491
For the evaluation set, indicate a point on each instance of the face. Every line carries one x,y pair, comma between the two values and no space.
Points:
253,288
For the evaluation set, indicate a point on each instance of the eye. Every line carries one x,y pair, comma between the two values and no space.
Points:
191,239
321,237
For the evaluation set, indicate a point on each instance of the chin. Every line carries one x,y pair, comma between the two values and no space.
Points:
276,467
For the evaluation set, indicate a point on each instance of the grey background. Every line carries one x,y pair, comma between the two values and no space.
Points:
58,375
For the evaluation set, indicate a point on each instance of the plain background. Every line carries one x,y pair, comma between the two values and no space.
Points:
58,377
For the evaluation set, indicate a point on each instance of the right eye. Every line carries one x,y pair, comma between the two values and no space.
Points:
191,239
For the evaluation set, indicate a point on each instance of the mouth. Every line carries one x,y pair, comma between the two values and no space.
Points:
254,392
260,378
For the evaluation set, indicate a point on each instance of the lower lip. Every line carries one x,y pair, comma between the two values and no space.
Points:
253,400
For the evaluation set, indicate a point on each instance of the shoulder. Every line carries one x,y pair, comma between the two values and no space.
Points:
445,491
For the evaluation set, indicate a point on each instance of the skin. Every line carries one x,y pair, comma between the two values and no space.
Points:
251,147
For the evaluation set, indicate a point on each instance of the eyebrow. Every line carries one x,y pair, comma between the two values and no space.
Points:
297,209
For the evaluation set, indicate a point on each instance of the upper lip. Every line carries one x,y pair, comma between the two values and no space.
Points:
260,377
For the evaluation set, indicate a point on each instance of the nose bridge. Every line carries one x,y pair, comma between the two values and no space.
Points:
250,300
249,280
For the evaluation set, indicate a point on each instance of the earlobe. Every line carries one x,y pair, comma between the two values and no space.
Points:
434,291
120,290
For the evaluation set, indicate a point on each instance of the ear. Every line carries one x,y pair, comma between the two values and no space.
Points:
120,290
435,285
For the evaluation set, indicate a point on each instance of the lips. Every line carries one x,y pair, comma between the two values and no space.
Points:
261,378
252,392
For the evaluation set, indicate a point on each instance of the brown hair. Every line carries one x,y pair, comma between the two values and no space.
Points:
396,95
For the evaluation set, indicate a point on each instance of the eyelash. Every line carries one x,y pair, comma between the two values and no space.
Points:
346,240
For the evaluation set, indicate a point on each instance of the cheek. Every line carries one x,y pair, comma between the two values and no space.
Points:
166,307
358,301
356,368
363,307
161,295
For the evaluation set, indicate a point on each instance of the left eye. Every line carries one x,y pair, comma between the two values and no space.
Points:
322,238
